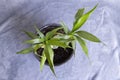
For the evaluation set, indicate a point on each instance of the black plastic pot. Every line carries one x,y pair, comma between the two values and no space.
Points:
60,55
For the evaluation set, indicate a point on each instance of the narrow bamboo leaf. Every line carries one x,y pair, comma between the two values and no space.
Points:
66,40
73,46
50,34
82,20
30,34
42,62
36,47
58,42
63,38
88,36
34,41
79,14
64,27
49,55
83,45
39,32
25,51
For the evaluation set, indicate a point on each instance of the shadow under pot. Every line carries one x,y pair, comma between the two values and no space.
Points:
61,55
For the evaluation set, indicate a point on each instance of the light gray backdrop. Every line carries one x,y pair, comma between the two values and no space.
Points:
16,15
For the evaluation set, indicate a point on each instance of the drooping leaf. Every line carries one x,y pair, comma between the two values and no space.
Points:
39,32
83,45
36,47
49,55
58,42
30,34
73,45
88,36
64,27
34,41
79,14
43,59
25,51
50,34
82,20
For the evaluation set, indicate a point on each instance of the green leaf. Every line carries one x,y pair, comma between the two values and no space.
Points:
36,47
83,45
30,34
58,42
52,33
64,27
42,62
66,40
25,51
49,55
73,46
39,32
79,14
88,36
82,20
43,57
34,41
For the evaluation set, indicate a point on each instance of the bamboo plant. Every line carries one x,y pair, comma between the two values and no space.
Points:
54,39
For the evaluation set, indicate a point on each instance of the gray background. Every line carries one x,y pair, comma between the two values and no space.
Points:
16,15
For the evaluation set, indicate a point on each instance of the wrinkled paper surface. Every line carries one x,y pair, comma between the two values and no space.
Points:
18,15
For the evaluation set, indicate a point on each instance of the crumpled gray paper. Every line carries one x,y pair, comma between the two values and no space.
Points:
18,15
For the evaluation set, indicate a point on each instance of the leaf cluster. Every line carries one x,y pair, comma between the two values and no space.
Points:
47,42
80,35
55,39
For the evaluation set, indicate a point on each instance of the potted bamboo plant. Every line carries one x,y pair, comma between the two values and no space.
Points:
55,43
